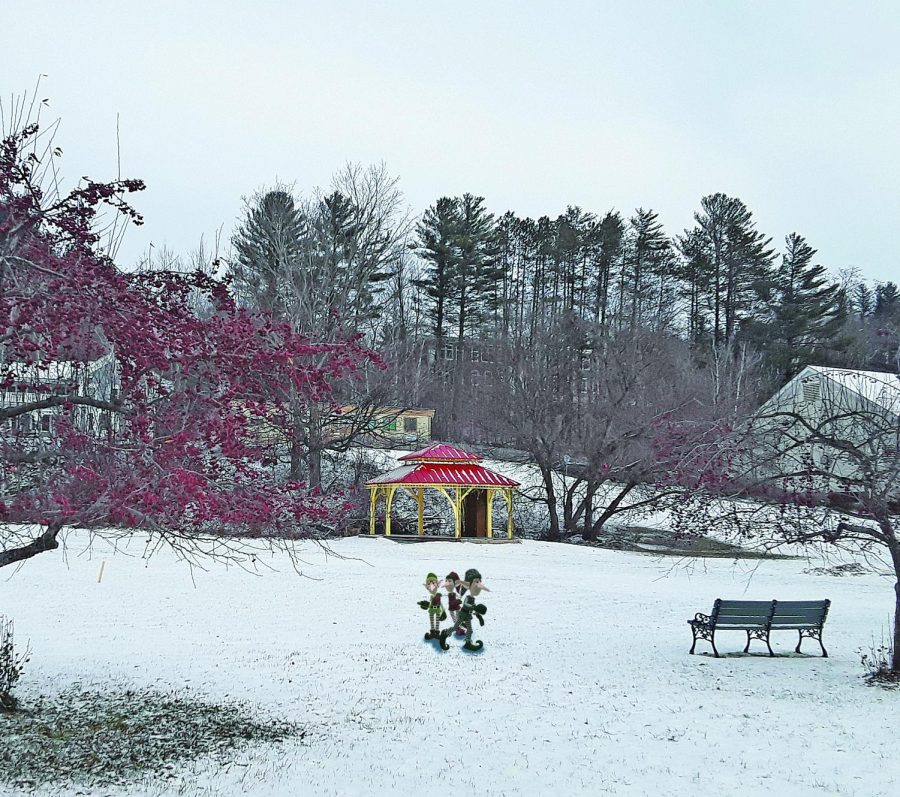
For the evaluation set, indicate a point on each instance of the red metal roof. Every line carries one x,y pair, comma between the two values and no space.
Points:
440,452
433,474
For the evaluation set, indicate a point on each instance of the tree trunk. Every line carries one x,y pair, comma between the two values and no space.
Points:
589,491
894,548
46,542
547,474
612,509
895,654
315,467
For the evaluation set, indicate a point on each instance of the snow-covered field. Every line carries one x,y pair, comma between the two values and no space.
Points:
585,685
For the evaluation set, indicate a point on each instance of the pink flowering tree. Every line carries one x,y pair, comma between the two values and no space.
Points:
121,405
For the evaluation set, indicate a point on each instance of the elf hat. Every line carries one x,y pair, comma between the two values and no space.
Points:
430,577
452,576
472,574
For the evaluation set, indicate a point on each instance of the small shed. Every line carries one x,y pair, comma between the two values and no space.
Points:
458,475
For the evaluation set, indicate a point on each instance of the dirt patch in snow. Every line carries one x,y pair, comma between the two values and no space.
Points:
643,539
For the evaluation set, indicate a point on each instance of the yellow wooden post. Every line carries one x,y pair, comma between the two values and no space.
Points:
509,515
387,510
421,497
458,514
490,513
373,500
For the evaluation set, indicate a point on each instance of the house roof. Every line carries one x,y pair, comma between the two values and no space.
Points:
882,389
441,464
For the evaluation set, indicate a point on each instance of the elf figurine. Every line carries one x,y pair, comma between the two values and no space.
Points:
436,612
455,590
469,609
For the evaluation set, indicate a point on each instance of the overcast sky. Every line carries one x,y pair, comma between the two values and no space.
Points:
792,106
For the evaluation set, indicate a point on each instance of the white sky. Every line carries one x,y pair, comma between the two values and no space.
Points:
791,106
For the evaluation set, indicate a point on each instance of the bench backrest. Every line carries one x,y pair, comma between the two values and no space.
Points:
771,614
743,614
800,614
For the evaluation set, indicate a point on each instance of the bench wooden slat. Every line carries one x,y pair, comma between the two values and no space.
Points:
748,605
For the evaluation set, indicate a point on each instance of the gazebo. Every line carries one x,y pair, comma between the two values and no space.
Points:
458,475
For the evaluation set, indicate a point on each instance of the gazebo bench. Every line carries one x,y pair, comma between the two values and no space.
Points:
759,619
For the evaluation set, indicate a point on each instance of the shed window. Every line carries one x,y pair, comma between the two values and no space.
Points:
410,425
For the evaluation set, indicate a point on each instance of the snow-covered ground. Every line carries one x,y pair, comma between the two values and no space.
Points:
585,685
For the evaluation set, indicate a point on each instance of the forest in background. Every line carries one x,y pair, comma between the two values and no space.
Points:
454,297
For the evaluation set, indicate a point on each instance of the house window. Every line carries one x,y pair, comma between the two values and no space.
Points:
45,423
410,425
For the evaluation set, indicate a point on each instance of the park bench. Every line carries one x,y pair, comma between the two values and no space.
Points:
759,619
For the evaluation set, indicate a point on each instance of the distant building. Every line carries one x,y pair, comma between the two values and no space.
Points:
831,423
389,425
97,379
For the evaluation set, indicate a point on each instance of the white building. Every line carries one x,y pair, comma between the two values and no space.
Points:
836,427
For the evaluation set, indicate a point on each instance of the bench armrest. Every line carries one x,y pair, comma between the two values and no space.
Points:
700,619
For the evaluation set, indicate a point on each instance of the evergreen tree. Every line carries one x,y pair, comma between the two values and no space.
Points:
438,233
740,263
887,302
863,302
477,273
646,271
268,248
607,244
696,277
805,318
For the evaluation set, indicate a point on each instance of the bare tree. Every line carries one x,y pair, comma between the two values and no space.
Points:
819,463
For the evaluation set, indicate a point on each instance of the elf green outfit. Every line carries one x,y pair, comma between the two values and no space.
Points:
436,612
467,611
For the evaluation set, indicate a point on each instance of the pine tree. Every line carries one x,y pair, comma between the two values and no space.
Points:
648,256
863,301
887,302
268,247
607,245
477,272
740,263
438,233
805,318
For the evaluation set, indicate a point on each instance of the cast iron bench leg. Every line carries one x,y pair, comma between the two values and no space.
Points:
816,634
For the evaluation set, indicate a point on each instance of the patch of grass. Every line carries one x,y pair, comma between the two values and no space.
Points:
94,739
